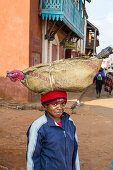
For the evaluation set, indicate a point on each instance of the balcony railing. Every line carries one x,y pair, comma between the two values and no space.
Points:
66,11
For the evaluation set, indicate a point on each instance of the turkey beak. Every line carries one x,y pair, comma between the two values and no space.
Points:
7,75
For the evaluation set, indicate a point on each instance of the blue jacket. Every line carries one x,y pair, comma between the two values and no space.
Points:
51,147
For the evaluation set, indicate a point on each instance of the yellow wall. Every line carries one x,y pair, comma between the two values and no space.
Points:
14,35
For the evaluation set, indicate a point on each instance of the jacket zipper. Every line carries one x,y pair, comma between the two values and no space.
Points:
65,147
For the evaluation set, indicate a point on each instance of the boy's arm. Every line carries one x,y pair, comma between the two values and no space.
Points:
33,149
76,164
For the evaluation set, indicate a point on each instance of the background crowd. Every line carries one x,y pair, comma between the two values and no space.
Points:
102,79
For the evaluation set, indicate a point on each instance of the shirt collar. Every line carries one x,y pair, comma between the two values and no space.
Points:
51,122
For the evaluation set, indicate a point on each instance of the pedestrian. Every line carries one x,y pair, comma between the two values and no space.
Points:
52,140
109,83
99,80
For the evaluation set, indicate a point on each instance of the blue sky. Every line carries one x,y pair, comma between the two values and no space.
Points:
100,14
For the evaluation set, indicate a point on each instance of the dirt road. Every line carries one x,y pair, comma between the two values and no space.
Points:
94,122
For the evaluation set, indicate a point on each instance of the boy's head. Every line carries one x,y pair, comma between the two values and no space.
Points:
54,102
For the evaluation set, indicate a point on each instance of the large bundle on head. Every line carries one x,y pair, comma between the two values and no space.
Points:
70,75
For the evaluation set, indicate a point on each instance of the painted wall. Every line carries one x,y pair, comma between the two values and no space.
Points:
14,35
14,46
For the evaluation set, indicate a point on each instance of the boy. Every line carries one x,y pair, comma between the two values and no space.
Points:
52,141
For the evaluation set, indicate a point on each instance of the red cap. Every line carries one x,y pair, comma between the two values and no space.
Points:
53,96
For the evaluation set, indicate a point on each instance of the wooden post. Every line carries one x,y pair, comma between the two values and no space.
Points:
94,48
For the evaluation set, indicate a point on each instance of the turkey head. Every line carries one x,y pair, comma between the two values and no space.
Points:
15,75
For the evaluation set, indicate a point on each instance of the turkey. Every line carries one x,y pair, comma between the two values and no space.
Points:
71,75
15,75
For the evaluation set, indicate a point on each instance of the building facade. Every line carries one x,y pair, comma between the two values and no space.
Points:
34,32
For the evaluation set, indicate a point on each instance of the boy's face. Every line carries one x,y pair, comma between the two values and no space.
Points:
55,110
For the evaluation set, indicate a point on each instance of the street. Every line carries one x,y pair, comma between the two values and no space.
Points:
94,123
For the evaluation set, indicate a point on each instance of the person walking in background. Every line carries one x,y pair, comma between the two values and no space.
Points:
109,83
99,80
52,139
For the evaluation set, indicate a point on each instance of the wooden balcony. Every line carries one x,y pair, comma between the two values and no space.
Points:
66,11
